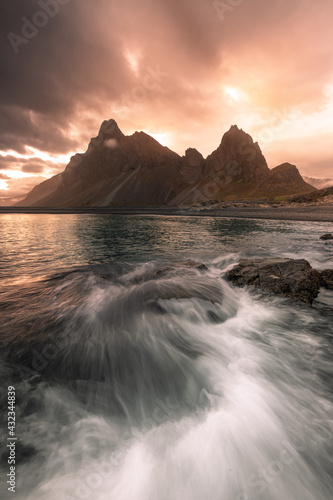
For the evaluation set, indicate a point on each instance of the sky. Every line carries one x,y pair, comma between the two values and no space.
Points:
183,71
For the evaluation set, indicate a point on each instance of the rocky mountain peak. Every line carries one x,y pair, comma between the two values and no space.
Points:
192,155
237,157
124,170
285,179
192,166
287,167
110,129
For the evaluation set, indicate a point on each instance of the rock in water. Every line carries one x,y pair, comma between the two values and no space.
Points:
293,278
326,279
327,237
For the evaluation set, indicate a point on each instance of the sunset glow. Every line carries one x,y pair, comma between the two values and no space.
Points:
133,61
161,137
166,249
233,94
3,184
182,72
35,153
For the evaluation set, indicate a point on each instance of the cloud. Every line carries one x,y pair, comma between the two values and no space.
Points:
29,165
33,167
19,187
94,61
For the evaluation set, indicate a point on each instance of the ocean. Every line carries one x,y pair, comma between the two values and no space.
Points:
139,373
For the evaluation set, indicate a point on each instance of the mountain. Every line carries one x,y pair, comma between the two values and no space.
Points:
41,191
135,170
319,183
285,179
237,157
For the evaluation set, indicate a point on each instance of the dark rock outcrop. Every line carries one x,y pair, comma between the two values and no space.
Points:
237,165
326,237
293,278
312,197
326,279
191,167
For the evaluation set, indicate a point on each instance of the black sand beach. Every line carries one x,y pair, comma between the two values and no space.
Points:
321,213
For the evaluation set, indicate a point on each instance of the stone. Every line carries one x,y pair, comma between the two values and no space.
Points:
293,278
312,197
326,279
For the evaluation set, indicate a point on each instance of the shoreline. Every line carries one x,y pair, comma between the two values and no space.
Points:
321,213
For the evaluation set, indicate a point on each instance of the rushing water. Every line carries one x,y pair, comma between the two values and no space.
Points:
141,377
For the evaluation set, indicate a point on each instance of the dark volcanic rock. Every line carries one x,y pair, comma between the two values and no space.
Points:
239,157
285,179
191,167
326,279
135,170
327,237
294,278
312,197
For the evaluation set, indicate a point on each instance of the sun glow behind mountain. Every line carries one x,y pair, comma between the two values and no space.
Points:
163,138
233,94
177,70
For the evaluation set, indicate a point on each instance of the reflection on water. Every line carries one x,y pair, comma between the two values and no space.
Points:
143,377
34,245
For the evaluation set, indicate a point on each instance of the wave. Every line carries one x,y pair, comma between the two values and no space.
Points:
160,381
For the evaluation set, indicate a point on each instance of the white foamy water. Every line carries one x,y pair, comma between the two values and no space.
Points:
159,381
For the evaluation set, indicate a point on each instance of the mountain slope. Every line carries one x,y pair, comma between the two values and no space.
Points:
135,170
285,179
319,183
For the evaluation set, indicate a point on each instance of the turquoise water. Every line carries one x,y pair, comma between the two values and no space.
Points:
140,376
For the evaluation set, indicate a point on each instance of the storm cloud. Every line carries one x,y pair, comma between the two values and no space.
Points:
186,68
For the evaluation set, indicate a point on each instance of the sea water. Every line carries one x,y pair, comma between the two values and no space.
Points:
141,375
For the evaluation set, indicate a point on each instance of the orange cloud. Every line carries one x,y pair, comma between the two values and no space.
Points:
164,66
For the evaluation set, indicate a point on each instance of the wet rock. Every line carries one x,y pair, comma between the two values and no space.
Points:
293,278
175,270
193,264
326,279
327,237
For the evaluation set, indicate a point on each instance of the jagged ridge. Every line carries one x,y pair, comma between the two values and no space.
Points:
135,170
